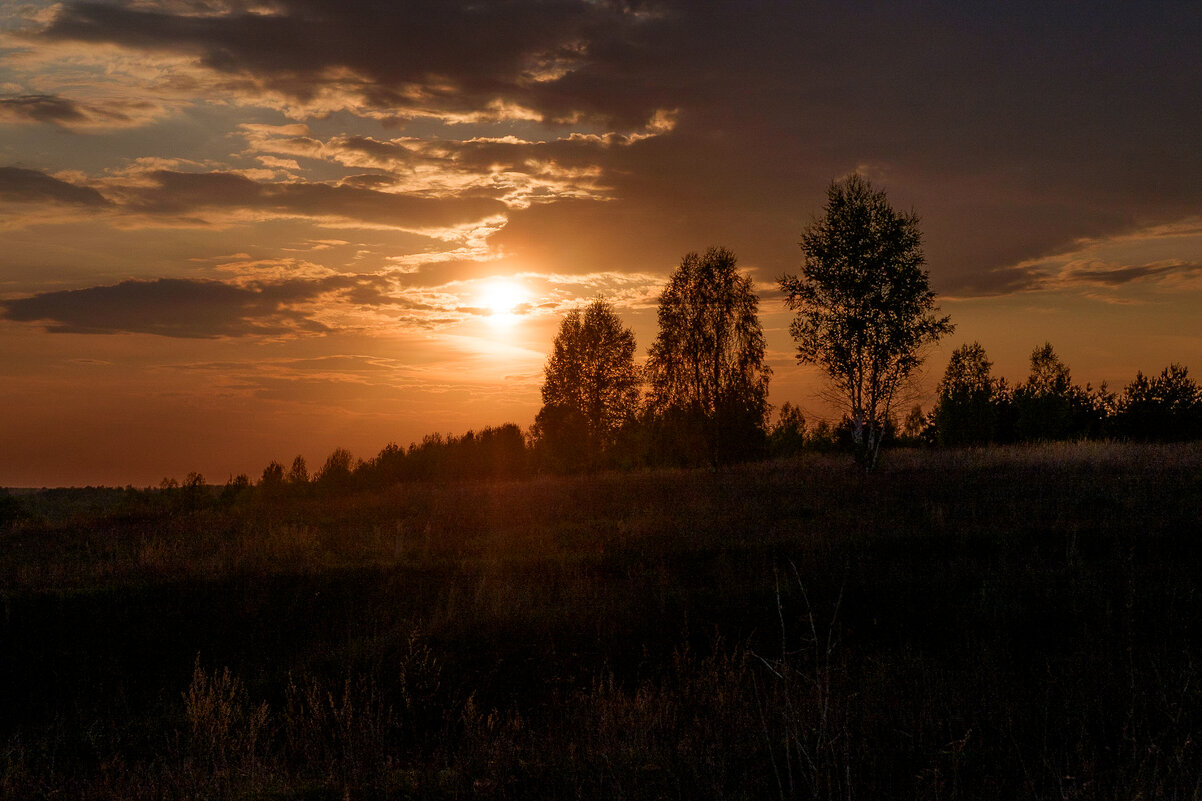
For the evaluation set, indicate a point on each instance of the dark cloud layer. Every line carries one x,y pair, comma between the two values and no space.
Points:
450,56
245,307
1124,275
69,113
171,307
42,108
1026,125
1062,274
31,186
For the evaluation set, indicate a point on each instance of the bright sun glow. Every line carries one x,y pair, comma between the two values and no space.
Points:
503,298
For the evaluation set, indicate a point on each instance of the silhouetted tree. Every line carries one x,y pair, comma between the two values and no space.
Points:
1093,412
387,468
271,483
865,311
235,488
590,390
423,461
335,474
966,411
1167,407
916,428
708,381
788,435
1043,405
191,495
823,436
501,452
298,474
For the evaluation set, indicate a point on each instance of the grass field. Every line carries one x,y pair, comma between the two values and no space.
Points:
1006,623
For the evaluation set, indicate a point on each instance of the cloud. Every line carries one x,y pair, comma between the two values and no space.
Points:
171,307
517,171
1013,132
41,108
1110,275
19,185
75,114
1158,256
227,197
279,164
289,298
460,60
144,194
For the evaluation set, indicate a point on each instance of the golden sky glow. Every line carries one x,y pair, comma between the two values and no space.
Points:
232,231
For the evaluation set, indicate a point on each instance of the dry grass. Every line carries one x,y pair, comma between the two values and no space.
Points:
1007,623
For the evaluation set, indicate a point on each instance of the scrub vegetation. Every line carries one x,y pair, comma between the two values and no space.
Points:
1021,621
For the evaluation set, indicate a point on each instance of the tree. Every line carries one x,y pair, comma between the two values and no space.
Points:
1168,407
298,474
916,428
335,474
591,387
788,436
235,488
1044,405
499,452
966,412
271,484
864,309
706,370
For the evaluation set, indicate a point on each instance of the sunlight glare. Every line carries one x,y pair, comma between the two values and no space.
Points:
503,298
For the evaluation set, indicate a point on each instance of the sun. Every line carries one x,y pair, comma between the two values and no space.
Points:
502,299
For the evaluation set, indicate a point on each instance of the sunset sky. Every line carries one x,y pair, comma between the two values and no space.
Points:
233,231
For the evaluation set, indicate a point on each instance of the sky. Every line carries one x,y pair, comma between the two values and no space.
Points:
234,231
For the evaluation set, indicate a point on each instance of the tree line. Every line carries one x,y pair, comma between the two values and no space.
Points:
864,314
975,408
972,408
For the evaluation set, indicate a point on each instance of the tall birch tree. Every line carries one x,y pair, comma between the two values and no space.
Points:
864,309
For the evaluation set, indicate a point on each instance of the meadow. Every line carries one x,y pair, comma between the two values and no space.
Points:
1001,623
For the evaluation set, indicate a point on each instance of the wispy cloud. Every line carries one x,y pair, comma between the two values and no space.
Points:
230,197
517,171
172,197
1097,273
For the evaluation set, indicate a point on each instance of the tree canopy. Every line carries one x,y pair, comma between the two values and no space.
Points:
706,367
966,411
591,387
1166,407
1043,405
864,309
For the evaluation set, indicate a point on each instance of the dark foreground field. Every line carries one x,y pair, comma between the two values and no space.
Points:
1019,623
